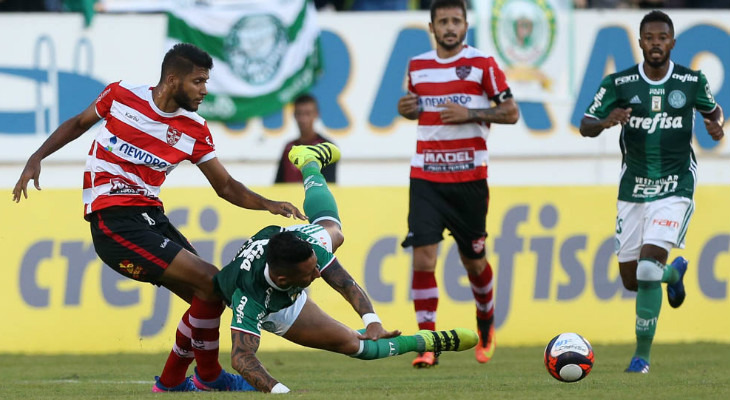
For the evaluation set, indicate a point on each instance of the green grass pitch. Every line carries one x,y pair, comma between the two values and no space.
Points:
678,371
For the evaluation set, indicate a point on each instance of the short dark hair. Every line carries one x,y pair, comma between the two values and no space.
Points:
656,16
286,249
436,4
181,59
305,98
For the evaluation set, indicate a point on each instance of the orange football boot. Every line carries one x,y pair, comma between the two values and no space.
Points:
426,359
485,352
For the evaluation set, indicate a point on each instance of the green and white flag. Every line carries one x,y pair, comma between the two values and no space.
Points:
265,53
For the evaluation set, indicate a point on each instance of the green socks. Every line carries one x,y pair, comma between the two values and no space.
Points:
381,348
648,304
670,275
318,200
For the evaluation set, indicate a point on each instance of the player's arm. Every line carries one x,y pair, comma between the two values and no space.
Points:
341,280
592,127
714,121
67,132
243,360
408,106
505,112
238,194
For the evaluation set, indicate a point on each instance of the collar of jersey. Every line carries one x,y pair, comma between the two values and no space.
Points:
661,81
271,283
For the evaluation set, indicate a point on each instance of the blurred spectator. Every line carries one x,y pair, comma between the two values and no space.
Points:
306,113
602,3
379,5
22,5
708,4
656,4
338,5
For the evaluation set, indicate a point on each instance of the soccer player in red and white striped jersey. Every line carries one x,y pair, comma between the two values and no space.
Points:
452,90
146,132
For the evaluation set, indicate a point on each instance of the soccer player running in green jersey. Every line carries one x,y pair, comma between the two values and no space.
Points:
265,282
654,102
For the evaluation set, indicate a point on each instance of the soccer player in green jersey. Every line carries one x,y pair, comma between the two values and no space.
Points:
264,285
654,102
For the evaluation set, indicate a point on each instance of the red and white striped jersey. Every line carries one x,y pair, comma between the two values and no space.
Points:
452,152
136,146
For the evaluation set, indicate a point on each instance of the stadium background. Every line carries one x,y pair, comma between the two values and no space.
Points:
551,215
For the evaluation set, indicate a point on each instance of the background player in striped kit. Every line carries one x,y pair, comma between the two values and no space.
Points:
655,103
146,132
451,91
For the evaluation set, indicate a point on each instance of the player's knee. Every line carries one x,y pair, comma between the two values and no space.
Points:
649,270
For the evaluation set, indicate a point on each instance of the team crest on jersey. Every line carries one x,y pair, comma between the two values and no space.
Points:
677,99
462,71
173,135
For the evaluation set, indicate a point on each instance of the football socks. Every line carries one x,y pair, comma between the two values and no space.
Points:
318,200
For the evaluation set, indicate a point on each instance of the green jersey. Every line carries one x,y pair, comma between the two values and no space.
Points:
245,284
657,156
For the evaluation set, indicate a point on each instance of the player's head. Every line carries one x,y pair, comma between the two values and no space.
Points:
656,38
186,70
448,23
291,260
306,112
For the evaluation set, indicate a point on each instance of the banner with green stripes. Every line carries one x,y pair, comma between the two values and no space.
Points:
265,53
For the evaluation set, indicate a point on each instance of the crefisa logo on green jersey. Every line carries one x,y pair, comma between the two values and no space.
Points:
523,32
255,47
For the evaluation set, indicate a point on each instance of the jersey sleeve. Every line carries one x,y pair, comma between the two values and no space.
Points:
604,101
204,149
247,313
704,101
411,88
494,81
104,102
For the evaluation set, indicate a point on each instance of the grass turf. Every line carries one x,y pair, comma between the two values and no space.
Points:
678,371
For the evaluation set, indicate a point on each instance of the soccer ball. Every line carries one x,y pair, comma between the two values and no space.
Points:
569,357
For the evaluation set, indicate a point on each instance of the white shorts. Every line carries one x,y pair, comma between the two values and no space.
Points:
279,322
316,231
661,222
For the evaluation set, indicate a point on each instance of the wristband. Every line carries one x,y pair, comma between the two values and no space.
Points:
279,388
369,318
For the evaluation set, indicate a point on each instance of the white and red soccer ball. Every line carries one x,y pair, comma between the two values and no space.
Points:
569,357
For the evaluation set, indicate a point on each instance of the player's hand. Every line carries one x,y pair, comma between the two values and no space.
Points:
376,331
452,113
714,129
286,209
617,116
32,171
408,106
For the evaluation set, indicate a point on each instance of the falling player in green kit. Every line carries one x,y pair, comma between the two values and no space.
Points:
655,103
264,285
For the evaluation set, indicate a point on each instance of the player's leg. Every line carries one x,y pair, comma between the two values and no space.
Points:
137,243
466,219
319,203
425,231
316,329
665,227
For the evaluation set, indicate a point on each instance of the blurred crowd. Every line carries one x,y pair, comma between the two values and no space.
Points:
338,5
651,4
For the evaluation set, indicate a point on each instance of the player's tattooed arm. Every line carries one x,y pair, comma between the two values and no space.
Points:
243,359
506,112
340,280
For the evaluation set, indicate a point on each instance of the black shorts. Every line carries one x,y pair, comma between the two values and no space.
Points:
137,242
459,207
